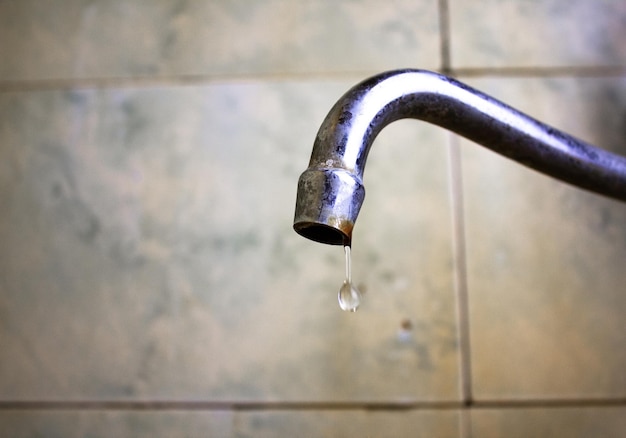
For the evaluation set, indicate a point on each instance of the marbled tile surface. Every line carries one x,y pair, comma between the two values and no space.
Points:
607,422
101,39
545,260
537,33
96,424
148,251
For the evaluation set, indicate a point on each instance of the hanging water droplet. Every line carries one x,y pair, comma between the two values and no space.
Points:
349,296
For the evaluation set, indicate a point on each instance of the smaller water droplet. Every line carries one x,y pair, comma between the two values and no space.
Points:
349,297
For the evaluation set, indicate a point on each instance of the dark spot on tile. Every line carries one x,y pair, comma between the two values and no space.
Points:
56,191
85,223
406,324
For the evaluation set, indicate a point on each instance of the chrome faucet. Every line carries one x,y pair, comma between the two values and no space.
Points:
330,191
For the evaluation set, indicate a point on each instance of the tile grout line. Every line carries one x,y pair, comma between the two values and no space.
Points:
542,72
173,80
209,79
207,405
444,37
465,423
457,234
460,269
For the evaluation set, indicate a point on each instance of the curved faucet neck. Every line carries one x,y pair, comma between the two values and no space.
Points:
330,191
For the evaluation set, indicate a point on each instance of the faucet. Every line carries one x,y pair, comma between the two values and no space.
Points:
331,191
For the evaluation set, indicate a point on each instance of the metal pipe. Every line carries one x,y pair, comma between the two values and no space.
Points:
330,191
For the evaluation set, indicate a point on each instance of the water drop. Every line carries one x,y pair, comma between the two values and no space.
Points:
349,296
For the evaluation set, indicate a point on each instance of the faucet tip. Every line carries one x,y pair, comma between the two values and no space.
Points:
323,233
327,205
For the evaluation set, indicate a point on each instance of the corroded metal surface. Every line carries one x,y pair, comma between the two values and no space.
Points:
330,191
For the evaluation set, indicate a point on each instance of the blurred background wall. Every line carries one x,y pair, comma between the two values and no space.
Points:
150,282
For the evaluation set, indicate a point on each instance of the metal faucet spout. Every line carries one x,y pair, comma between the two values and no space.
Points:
330,191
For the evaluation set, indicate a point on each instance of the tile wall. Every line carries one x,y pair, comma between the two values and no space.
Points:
150,282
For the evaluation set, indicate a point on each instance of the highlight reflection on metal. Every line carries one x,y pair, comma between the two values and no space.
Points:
330,191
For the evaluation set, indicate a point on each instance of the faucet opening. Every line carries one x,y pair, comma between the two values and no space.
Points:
322,233
330,191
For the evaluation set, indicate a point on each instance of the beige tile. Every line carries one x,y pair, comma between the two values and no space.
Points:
549,422
148,251
522,33
96,39
70,424
546,260
313,424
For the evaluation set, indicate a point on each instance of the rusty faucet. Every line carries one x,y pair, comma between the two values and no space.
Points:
330,191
